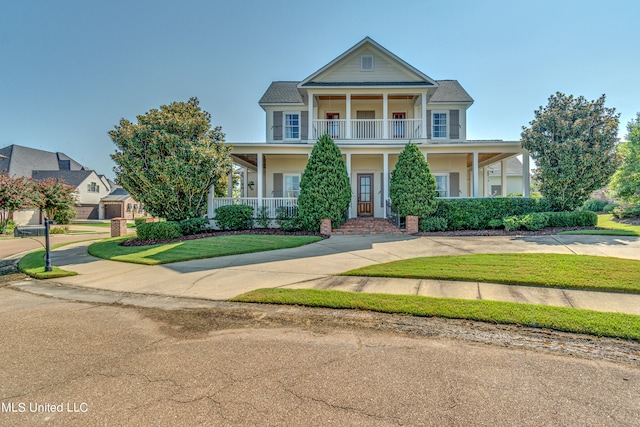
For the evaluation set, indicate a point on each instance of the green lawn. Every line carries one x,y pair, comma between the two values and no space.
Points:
195,249
609,228
33,263
552,270
100,224
573,320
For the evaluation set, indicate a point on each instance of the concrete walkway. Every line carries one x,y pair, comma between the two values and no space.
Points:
314,266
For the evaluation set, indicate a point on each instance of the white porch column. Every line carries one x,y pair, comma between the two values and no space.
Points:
385,177
348,107
485,181
312,127
474,174
385,116
526,175
259,174
230,183
423,116
503,177
210,211
348,155
245,182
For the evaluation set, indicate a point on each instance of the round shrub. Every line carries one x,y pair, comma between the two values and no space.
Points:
594,205
193,225
432,223
140,220
235,217
158,230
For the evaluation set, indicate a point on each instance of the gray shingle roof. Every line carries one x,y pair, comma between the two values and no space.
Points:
119,194
282,93
73,178
288,92
22,161
450,91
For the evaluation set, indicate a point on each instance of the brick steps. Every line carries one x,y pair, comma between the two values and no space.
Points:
367,226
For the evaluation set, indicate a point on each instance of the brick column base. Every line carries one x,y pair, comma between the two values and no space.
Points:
118,227
325,226
412,224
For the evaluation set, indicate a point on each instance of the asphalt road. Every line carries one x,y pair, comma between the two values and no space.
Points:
124,365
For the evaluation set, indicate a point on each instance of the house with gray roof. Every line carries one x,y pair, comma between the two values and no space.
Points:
91,188
371,103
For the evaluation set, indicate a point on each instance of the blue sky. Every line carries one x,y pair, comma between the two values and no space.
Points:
69,70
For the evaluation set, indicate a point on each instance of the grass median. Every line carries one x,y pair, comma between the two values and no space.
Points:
547,270
33,264
186,250
608,227
616,325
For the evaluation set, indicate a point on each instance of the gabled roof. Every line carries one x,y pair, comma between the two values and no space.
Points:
282,93
118,194
422,79
22,161
450,91
73,178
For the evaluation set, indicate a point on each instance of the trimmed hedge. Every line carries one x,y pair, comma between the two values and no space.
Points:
158,230
235,217
193,225
538,220
432,223
476,214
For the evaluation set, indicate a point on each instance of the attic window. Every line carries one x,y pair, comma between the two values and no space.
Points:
366,63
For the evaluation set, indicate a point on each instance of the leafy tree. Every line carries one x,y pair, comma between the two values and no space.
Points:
626,181
15,194
56,199
573,143
412,187
170,158
325,191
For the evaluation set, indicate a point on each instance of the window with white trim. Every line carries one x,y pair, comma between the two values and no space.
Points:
442,184
93,188
292,126
366,63
439,124
291,184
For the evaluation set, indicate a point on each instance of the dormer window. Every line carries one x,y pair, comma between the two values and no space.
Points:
366,63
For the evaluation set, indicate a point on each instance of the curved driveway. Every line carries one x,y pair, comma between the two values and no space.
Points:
313,266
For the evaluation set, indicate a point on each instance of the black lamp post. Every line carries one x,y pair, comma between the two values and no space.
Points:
47,257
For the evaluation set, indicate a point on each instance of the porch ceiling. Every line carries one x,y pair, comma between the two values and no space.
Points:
485,159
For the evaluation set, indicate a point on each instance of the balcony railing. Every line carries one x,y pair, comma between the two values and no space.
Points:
368,128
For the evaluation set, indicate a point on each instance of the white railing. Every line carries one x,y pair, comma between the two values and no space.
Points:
366,128
336,129
271,203
404,128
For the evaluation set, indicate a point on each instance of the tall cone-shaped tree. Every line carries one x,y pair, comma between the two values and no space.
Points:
324,188
412,187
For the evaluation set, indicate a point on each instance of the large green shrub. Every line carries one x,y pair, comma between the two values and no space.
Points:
235,217
325,191
475,214
538,220
432,223
412,187
193,225
594,205
287,218
158,230
140,220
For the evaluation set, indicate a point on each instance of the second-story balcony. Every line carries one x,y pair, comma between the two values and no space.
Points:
367,129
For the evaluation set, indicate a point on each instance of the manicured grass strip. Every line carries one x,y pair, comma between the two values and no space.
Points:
552,270
195,249
608,227
32,264
573,320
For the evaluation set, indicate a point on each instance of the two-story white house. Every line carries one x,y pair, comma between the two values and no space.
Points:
371,103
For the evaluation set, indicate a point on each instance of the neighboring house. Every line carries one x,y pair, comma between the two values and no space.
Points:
512,179
120,204
371,103
90,187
